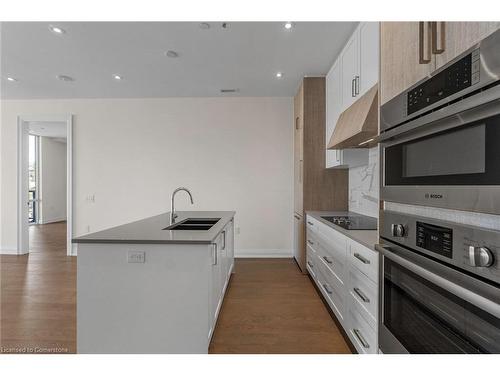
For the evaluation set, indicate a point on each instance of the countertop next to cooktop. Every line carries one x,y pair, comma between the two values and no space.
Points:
367,238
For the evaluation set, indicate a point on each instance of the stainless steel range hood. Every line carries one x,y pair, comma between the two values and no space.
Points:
357,126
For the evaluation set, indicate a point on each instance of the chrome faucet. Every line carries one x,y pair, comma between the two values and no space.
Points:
173,215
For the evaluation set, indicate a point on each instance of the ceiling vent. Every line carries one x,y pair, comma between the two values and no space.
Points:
229,91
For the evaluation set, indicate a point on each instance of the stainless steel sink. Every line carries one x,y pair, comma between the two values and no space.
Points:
194,224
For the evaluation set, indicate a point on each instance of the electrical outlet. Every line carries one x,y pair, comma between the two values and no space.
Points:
136,257
90,198
237,230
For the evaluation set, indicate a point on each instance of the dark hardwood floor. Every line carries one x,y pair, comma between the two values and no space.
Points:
38,294
270,307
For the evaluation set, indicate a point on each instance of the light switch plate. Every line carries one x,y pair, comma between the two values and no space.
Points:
136,257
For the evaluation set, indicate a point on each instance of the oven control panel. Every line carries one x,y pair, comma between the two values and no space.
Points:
457,77
471,248
435,238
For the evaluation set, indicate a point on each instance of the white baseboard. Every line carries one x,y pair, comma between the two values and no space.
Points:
263,253
8,251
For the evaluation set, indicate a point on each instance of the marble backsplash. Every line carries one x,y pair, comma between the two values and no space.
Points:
364,186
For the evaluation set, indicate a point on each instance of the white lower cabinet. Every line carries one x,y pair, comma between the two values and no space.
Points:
222,266
346,273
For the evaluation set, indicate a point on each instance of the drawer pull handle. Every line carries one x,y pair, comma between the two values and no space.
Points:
325,287
360,338
361,295
310,242
310,223
310,264
361,258
327,260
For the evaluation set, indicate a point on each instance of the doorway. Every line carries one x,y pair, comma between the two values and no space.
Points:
45,182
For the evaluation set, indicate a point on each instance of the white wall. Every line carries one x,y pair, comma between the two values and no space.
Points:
52,180
364,186
233,153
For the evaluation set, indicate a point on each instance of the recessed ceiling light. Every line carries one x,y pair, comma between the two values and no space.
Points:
62,77
225,25
11,79
279,75
228,91
288,25
117,77
57,30
204,25
171,53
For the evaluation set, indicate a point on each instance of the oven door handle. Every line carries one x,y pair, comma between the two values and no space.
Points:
467,295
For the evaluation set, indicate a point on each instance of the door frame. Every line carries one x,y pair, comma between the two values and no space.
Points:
22,179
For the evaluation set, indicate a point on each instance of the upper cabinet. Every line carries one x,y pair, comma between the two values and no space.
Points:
333,110
457,37
369,47
350,71
352,75
411,51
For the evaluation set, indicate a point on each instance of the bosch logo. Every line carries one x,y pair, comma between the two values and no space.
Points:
433,196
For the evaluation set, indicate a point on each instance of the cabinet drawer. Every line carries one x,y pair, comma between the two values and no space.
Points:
365,260
364,293
333,262
311,263
334,295
362,335
312,239
334,244
334,289
312,224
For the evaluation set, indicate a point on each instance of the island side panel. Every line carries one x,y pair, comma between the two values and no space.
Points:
159,306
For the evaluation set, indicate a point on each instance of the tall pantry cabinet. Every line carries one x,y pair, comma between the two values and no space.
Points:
315,187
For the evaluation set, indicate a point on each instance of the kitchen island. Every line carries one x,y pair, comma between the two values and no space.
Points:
149,287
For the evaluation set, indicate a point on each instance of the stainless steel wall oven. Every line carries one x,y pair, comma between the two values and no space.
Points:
440,147
439,286
440,140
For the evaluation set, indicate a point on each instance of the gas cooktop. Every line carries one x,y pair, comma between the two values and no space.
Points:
353,222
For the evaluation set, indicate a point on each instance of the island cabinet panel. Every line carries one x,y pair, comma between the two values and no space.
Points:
222,251
151,298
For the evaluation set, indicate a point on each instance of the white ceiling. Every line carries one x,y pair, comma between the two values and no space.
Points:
52,129
245,56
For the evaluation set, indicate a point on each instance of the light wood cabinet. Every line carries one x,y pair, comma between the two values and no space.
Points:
411,51
460,36
298,154
315,187
399,57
